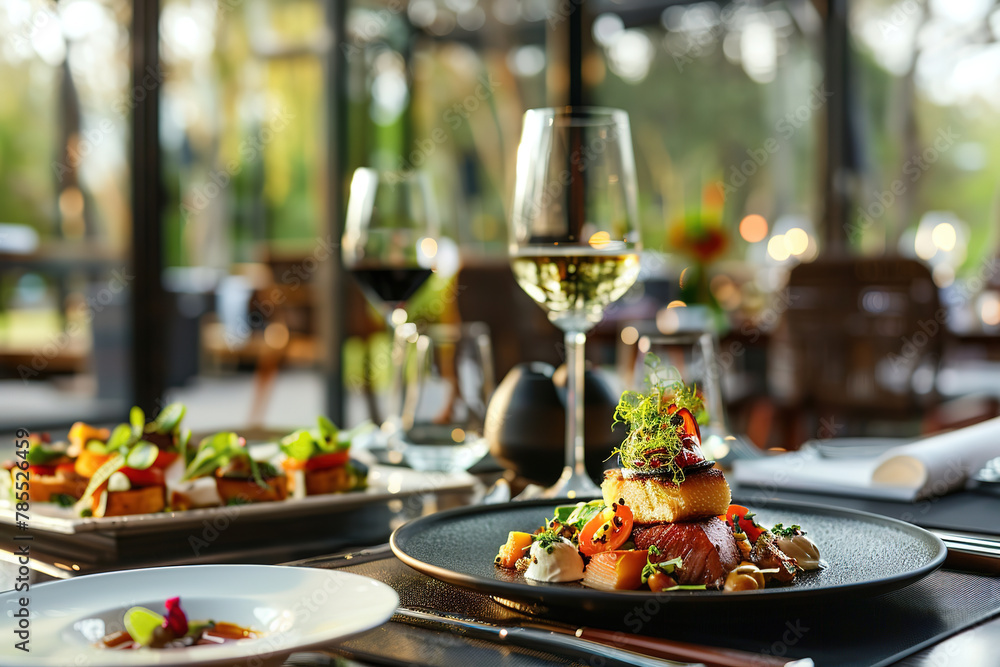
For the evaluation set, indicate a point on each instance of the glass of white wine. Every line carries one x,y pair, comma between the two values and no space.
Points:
574,239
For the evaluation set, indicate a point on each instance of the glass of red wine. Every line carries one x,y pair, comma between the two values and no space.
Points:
390,247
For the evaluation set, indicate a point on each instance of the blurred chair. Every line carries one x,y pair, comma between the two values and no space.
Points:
860,343
487,292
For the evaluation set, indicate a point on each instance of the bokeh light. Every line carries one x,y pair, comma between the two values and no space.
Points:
989,309
753,228
796,240
630,335
944,237
777,248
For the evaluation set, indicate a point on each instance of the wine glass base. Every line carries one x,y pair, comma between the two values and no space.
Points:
573,485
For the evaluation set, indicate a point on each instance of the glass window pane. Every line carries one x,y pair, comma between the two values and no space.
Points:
930,102
65,217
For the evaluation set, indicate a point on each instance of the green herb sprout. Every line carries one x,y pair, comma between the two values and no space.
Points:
654,434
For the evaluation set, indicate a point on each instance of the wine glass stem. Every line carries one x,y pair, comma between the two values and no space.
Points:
397,358
575,451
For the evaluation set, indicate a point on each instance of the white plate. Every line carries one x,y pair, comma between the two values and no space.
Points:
384,483
295,608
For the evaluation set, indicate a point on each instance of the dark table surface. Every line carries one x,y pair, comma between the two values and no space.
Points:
972,647
976,646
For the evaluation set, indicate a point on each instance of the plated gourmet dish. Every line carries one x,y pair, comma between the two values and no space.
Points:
666,521
146,629
145,467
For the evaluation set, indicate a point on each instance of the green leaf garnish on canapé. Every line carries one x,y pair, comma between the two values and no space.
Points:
213,452
304,444
168,420
42,453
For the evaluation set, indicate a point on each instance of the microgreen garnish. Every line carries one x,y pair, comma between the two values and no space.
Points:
793,530
666,566
686,397
655,430
546,539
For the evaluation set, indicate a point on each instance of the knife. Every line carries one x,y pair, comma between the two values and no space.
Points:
530,637
586,642
974,553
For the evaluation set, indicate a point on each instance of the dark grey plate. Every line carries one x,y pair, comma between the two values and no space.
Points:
865,554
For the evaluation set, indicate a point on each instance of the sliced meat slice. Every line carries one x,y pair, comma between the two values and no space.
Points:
707,549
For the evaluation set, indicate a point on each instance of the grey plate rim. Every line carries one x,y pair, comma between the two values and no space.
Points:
565,595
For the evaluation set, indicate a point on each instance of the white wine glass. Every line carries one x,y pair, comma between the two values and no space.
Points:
574,240
389,245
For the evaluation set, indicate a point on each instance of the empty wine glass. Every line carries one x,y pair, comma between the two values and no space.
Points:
447,391
574,239
390,247
689,357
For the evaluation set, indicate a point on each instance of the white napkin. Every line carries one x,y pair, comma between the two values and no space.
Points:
941,463
930,467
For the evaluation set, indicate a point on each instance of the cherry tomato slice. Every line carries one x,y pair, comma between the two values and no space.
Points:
690,424
65,469
659,581
324,461
619,528
148,477
164,459
41,470
735,516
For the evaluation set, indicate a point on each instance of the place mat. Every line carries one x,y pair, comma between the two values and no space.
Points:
880,632
968,511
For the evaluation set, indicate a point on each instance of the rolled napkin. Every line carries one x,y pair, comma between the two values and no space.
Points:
941,463
932,466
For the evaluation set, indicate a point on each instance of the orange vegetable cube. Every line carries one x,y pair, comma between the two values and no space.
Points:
615,570
514,549
82,433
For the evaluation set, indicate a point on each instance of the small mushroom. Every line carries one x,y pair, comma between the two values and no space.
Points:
746,577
